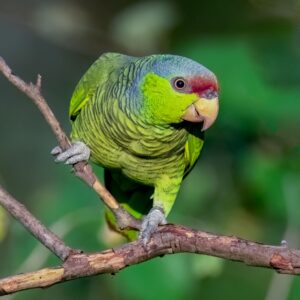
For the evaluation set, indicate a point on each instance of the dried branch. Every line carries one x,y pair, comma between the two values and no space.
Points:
168,239
36,228
82,169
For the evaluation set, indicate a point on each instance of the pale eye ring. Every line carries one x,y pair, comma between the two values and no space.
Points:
179,83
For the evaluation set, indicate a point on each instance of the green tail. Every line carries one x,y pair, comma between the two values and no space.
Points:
133,196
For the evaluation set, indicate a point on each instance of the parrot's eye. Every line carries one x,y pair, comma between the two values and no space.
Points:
179,83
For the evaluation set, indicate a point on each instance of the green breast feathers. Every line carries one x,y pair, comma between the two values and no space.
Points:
144,118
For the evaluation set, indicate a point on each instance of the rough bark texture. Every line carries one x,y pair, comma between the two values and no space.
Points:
34,226
169,239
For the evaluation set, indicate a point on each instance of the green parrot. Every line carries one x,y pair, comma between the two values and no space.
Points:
142,119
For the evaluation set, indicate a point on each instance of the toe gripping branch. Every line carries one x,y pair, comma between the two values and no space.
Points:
155,217
77,154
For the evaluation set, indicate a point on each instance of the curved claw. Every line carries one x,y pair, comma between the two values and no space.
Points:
150,223
56,150
76,153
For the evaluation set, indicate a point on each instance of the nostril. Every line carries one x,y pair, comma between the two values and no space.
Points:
210,94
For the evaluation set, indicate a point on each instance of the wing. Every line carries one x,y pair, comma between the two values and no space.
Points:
193,148
97,75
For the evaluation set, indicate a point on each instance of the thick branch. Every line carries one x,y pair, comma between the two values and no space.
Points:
82,170
168,240
44,235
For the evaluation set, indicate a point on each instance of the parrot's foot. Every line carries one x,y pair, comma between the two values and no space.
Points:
150,223
76,153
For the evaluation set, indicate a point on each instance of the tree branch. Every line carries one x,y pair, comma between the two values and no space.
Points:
168,239
36,228
82,169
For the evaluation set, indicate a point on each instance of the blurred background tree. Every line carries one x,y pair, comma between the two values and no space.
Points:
246,182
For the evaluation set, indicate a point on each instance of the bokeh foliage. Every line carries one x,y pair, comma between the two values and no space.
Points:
246,182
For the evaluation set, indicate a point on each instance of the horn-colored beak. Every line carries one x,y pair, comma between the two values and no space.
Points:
203,110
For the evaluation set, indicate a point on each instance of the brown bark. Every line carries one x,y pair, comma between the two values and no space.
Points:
34,226
169,239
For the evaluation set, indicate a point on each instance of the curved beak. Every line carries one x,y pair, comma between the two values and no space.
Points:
203,110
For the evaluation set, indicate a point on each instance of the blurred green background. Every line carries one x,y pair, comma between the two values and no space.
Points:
246,182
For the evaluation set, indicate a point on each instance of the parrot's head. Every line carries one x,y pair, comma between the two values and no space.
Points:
176,89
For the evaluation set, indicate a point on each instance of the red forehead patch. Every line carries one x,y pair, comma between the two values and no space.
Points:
200,85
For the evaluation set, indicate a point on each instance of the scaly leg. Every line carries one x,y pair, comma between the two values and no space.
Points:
150,223
165,193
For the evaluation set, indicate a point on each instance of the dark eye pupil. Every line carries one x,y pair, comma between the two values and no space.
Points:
180,84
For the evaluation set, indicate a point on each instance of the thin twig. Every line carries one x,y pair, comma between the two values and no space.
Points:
82,169
36,228
168,239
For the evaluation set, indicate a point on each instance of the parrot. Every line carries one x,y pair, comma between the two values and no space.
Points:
143,120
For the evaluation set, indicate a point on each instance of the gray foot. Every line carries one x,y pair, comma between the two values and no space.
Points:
76,153
150,223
